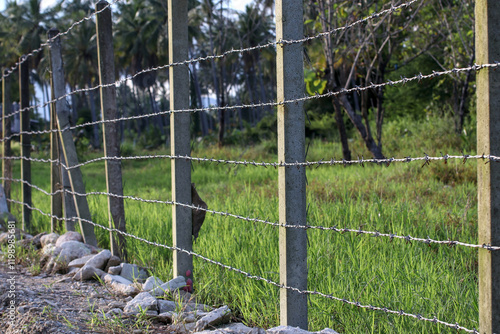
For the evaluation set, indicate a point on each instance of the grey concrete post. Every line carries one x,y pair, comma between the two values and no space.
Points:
6,150
114,185
69,150
180,134
68,201
488,175
24,91
291,148
56,201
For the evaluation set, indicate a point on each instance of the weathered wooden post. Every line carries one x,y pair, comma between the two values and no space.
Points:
6,151
180,135
487,14
24,91
291,148
56,201
69,150
114,185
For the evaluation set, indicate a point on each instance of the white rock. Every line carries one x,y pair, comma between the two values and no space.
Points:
132,272
171,285
217,316
327,331
143,301
120,285
114,312
166,306
287,330
69,236
165,317
151,283
71,250
99,260
48,239
78,263
235,328
88,272
114,270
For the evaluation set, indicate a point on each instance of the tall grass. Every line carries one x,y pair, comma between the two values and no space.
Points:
438,200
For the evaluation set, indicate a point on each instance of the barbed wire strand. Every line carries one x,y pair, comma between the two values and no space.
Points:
220,56
392,236
323,162
354,89
259,278
47,43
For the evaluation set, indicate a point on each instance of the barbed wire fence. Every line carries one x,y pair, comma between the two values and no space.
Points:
182,244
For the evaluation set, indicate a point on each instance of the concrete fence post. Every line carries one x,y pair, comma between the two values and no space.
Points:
68,146
24,91
56,201
291,148
180,135
487,15
114,184
6,150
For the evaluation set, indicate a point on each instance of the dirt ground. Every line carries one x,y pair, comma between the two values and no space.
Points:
56,304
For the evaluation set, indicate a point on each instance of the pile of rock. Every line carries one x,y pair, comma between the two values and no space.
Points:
169,302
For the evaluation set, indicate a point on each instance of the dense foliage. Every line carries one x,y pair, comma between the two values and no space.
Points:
424,37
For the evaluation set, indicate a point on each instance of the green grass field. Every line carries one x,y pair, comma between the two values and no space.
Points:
439,201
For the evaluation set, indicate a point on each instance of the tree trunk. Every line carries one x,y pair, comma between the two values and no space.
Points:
357,121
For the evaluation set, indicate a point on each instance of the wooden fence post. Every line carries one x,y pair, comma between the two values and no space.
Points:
114,185
56,201
24,91
291,148
180,135
6,151
487,14
69,150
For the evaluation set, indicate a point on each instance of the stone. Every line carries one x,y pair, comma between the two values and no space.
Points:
37,240
71,250
216,317
287,330
69,236
88,272
152,283
235,328
115,270
48,239
327,331
78,263
114,312
173,284
132,272
165,317
143,301
120,285
99,260
112,262
166,306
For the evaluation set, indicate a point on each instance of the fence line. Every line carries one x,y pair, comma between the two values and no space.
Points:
323,162
282,42
376,234
355,89
259,278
